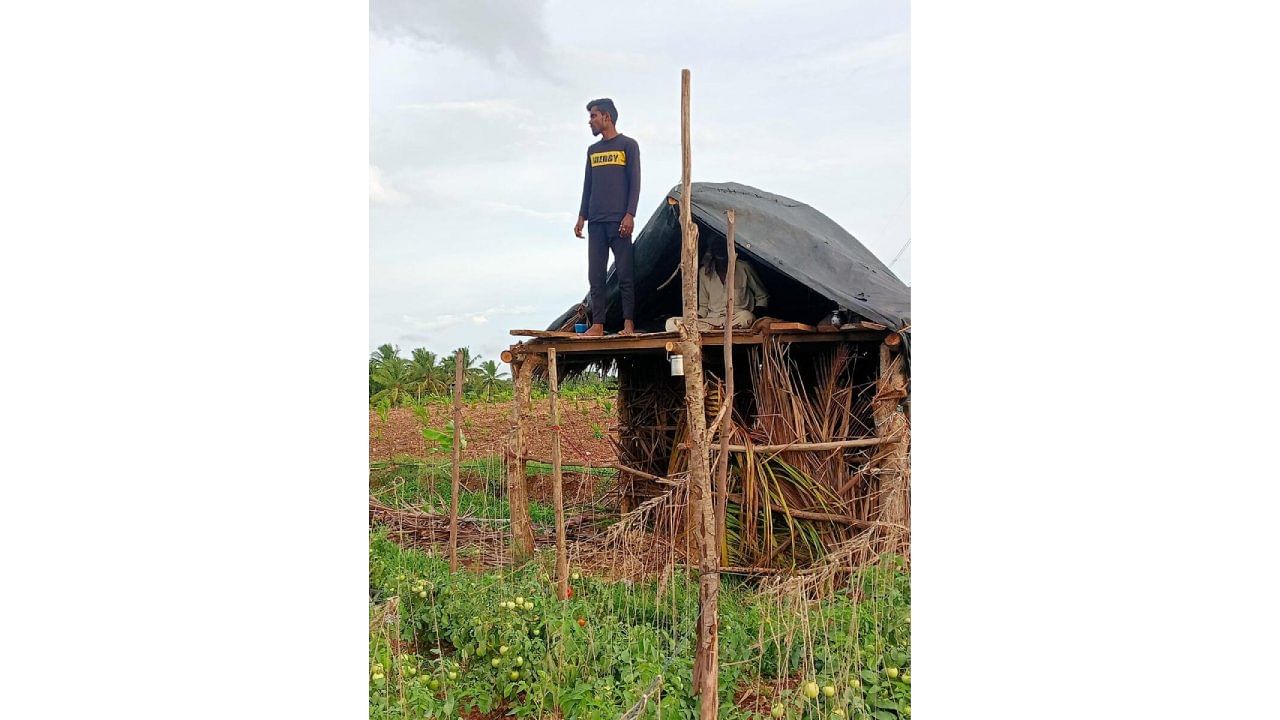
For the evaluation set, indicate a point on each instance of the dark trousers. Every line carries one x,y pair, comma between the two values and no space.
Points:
601,238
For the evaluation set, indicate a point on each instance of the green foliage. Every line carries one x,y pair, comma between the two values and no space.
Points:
428,378
592,656
410,482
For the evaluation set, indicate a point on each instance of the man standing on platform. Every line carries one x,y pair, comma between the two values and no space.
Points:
610,194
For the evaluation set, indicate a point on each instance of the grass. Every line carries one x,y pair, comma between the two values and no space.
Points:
407,481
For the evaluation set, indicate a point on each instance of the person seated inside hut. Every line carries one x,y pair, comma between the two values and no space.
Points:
749,295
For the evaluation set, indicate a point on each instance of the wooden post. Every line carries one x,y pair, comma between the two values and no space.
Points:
517,486
457,460
891,424
706,668
722,474
557,481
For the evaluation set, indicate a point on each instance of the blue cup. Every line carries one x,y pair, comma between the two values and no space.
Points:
580,328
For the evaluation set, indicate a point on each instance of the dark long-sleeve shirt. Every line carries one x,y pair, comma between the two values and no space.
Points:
611,188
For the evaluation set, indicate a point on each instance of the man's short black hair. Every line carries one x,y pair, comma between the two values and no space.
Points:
605,105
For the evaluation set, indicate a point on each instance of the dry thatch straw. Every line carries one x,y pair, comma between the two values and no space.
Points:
863,550
628,550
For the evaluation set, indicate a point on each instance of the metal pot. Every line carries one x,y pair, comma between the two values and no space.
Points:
677,364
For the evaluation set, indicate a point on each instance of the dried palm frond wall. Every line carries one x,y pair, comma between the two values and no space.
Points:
786,509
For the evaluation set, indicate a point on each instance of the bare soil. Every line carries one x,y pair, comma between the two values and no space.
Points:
486,427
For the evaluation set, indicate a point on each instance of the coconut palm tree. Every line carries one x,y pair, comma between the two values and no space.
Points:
469,368
394,379
490,378
385,352
428,374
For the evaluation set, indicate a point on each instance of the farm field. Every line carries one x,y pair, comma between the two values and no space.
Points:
492,641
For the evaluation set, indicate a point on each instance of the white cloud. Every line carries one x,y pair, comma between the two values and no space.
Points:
809,100
510,34
483,108
380,190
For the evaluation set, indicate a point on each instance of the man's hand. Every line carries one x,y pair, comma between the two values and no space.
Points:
577,229
628,224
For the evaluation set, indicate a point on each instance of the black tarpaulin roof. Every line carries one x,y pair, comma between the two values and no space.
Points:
809,264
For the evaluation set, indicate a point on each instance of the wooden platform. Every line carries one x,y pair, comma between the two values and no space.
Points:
566,343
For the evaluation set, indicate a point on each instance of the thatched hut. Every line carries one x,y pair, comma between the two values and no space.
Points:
818,438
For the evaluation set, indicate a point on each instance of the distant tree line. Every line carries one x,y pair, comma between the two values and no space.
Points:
424,376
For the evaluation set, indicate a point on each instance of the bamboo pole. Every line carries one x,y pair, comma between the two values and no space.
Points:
517,485
812,447
457,459
722,473
706,664
557,481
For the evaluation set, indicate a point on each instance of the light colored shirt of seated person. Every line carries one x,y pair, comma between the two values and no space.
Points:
748,294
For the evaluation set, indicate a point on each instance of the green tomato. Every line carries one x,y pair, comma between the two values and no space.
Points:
891,672
514,675
829,690
811,690
856,683
906,677
422,593
434,684
519,661
519,600
453,675
495,662
528,605
576,576
503,650
379,678
778,711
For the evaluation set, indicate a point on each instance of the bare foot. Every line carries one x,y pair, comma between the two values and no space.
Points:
628,328
595,330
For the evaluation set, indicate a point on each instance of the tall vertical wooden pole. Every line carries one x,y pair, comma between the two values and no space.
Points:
517,487
557,480
457,460
722,474
706,668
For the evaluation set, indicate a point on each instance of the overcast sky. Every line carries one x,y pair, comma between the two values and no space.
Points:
478,130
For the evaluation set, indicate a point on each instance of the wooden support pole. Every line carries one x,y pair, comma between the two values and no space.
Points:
458,366
891,424
517,485
706,667
722,472
557,481
812,447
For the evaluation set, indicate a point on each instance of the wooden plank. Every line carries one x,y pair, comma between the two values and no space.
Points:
777,327
544,333
614,344
864,325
